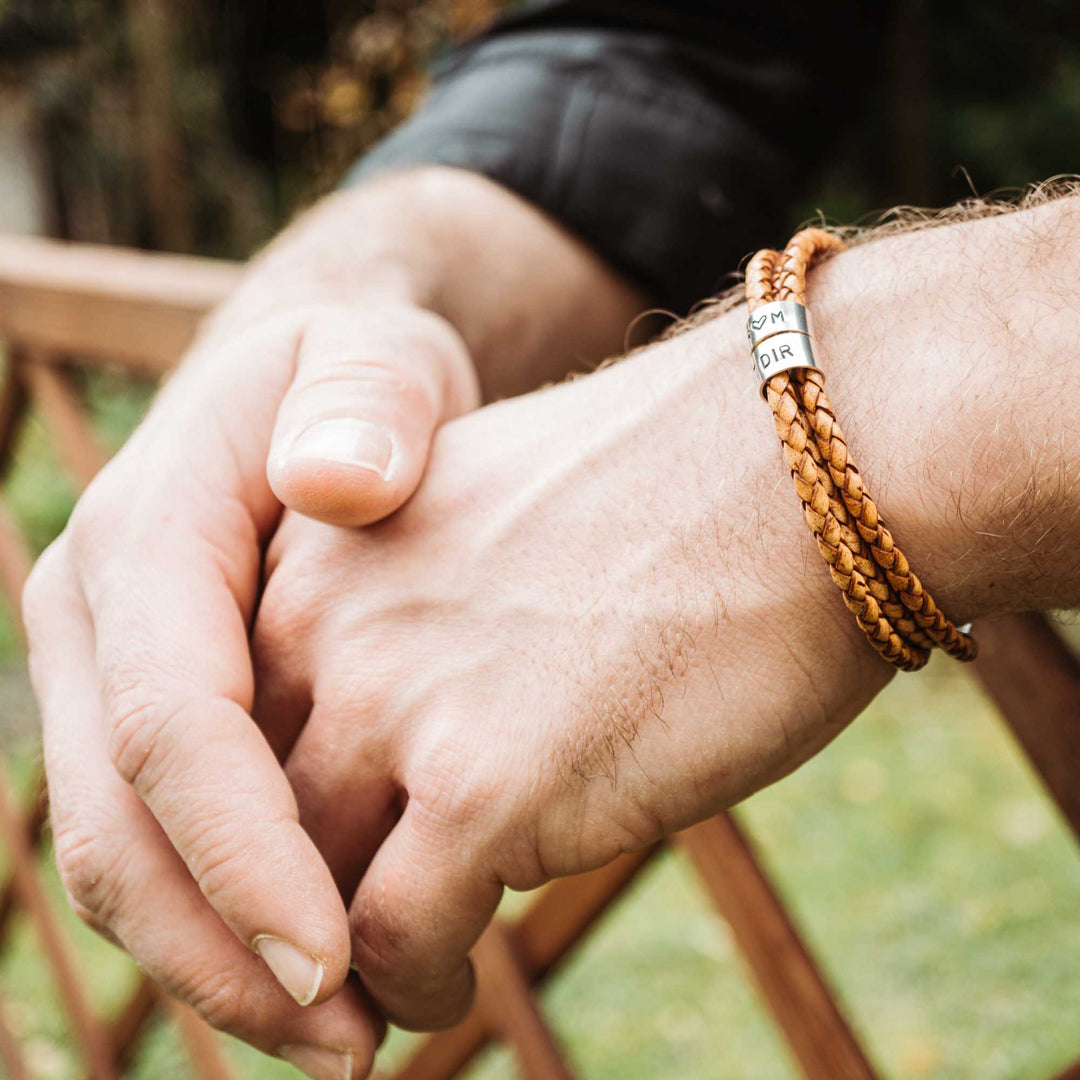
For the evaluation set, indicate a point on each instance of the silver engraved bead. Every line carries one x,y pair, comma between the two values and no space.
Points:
781,352
776,317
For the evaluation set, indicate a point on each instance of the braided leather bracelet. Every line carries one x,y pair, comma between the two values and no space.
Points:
898,616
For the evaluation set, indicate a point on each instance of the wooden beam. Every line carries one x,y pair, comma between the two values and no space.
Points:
505,1000
123,1033
11,1056
65,416
33,825
12,410
89,1033
15,564
1070,1072
790,982
1034,679
132,1020
203,1045
559,918
133,308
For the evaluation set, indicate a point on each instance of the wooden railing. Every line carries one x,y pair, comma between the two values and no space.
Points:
62,305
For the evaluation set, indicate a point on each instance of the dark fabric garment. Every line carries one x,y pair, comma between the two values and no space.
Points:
671,137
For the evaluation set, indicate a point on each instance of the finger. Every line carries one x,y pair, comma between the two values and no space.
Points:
280,662
176,694
348,800
286,640
167,547
124,878
335,753
354,429
421,906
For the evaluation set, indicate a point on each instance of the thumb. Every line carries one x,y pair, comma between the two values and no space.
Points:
354,429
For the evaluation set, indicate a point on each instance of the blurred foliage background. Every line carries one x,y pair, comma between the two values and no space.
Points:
199,126
922,858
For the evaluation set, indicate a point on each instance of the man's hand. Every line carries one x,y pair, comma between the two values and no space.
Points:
602,617
353,337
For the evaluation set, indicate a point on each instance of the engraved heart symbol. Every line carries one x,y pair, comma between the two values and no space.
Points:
757,324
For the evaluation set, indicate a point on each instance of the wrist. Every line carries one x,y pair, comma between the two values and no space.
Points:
528,299
938,347
341,251
961,429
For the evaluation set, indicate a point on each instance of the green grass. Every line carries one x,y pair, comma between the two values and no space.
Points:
927,869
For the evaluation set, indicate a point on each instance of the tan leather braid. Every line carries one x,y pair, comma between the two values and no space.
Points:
789,283
889,602
813,485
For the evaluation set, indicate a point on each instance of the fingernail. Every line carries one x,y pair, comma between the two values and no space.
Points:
345,440
318,1062
299,973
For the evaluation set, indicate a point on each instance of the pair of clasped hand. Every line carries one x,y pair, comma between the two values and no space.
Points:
329,655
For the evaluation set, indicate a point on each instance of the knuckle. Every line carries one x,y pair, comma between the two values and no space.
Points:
140,721
435,337
289,616
457,785
219,852
89,872
384,950
99,530
411,390
253,1009
218,998
85,915
379,942
88,527
43,588
416,346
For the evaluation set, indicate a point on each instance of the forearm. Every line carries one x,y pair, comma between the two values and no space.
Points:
952,355
935,345
530,301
